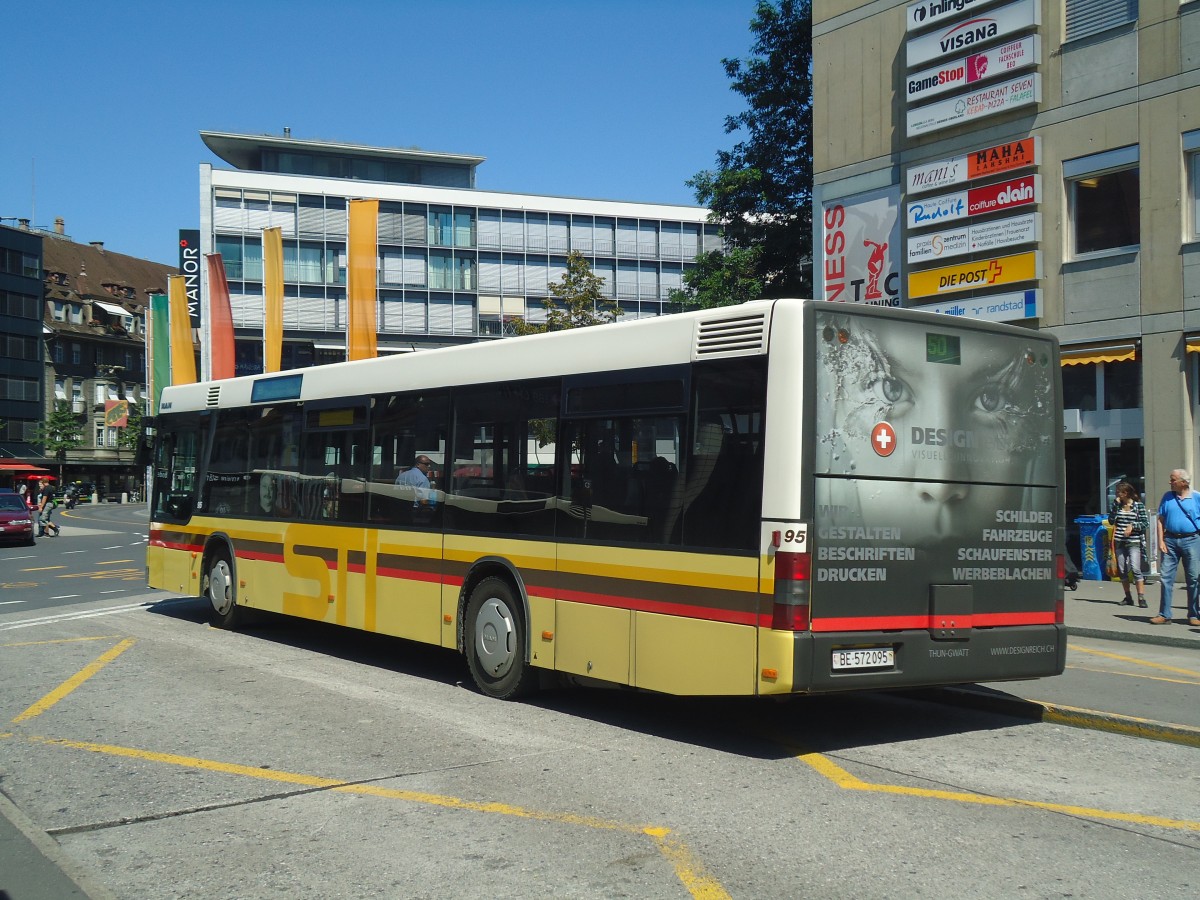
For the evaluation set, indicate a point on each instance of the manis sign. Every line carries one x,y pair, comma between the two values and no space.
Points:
983,273
988,161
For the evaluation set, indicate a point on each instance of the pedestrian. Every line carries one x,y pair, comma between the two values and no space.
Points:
46,509
1179,540
1130,523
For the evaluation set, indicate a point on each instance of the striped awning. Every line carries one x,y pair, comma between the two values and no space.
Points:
1193,343
1088,354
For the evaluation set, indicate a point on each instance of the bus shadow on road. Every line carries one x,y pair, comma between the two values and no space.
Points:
753,727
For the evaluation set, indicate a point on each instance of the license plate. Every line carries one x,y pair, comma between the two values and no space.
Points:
872,658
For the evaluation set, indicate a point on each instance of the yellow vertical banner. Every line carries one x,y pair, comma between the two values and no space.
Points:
361,279
183,356
272,298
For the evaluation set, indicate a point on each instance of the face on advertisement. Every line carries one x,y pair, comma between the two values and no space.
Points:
966,430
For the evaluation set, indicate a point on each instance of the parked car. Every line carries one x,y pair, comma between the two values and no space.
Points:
16,519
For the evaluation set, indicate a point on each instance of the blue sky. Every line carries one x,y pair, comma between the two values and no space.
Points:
613,99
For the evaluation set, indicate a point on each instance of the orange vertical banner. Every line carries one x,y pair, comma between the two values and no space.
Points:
183,354
361,279
272,298
220,319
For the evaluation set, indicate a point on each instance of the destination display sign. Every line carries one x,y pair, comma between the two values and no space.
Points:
978,237
973,33
989,101
1011,57
982,273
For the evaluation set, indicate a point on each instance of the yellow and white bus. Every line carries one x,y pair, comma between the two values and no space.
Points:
781,497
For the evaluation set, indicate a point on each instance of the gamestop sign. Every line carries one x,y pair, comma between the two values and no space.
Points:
1010,57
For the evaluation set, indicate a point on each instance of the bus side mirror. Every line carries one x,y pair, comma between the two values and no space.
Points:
178,507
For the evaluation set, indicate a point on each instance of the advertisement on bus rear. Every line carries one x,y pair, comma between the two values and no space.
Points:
936,458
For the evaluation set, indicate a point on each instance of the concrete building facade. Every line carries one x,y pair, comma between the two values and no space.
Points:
1030,161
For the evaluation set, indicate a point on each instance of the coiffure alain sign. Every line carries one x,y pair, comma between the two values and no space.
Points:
978,201
962,36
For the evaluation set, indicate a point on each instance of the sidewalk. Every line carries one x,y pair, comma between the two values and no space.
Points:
1094,610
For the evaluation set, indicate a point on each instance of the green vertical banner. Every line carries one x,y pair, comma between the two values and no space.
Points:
160,348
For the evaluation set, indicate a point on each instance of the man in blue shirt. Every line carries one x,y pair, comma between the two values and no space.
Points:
1179,539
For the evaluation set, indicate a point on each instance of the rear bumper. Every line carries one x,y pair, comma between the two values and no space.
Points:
985,654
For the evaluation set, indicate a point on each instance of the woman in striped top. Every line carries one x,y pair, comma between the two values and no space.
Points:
1130,524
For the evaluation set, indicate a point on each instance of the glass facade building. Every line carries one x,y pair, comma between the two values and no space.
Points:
454,263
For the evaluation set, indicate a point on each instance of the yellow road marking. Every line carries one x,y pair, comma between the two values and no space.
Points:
1136,661
111,573
44,569
845,780
101,637
113,562
1133,675
73,682
18,584
687,867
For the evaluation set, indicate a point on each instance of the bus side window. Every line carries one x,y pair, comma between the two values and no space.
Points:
404,427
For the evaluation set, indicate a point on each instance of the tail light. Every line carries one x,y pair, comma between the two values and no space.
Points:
1060,607
793,571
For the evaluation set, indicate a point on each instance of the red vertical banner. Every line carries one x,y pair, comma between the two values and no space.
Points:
361,279
220,319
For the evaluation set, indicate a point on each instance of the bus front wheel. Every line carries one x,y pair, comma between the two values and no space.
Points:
221,591
495,641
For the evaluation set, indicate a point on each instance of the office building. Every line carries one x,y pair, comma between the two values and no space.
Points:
455,263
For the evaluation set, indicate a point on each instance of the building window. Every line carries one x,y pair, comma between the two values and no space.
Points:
60,389
1122,385
1086,17
1079,387
76,354
1104,201
1191,154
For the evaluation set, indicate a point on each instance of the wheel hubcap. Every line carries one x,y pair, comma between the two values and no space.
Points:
495,637
220,586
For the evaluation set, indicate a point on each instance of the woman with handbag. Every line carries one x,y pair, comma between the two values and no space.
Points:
1130,523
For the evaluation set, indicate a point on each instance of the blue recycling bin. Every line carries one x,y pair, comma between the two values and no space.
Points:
1093,546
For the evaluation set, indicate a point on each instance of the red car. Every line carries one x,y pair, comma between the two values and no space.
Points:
16,519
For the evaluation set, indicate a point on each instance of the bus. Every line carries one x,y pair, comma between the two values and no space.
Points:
786,496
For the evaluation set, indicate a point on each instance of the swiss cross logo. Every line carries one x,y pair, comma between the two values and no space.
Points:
883,439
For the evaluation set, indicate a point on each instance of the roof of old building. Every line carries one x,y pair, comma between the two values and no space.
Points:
95,273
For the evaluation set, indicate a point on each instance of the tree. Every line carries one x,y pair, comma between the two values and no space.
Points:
578,301
761,193
720,279
62,431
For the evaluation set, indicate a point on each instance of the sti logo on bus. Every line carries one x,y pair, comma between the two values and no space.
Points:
883,439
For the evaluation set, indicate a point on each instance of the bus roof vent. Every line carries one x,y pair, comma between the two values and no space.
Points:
214,396
739,335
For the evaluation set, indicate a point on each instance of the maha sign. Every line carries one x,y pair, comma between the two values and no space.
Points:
993,160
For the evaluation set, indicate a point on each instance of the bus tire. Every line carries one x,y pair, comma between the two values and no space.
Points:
495,641
221,591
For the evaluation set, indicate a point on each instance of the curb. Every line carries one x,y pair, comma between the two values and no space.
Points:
1163,640
53,853
1072,716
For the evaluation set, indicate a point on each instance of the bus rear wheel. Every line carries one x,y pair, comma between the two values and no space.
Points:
495,641
221,591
